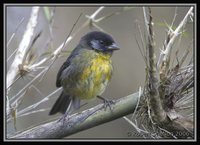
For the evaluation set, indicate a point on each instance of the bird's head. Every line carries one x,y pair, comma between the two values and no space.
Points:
99,41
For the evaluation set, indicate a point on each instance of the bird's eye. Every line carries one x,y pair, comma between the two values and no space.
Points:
101,41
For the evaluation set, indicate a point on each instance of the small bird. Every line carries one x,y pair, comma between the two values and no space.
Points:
86,72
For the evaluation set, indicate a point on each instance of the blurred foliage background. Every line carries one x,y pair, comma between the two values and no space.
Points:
129,66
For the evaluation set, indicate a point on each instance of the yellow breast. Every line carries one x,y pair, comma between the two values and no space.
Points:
88,74
96,76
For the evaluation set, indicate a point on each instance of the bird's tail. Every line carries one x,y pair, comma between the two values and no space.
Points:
65,103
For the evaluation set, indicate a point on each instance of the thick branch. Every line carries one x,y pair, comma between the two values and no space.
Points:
82,121
158,113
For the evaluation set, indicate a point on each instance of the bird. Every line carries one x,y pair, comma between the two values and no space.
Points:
86,72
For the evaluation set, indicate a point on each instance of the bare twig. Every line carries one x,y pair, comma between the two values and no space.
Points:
58,51
27,85
13,35
140,94
135,126
142,51
33,106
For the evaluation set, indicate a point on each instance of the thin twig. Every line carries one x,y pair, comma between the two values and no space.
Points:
13,35
140,94
58,51
33,106
27,85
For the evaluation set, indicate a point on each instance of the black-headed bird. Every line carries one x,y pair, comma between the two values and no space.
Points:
86,72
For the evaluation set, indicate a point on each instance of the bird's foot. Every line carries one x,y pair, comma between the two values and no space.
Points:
64,118
107,103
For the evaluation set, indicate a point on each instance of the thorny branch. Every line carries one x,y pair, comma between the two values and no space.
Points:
158,114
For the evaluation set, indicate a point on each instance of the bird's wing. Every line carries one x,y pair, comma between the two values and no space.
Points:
63,67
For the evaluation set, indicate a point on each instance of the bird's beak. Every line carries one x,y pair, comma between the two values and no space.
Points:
113,47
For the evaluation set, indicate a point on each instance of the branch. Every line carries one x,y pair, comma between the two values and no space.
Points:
158,113
161,93
23,47
82,121
165,53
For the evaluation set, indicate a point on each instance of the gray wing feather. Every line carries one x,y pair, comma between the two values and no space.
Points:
64,66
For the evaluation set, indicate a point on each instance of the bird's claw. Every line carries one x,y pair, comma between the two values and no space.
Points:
63,119
108,103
